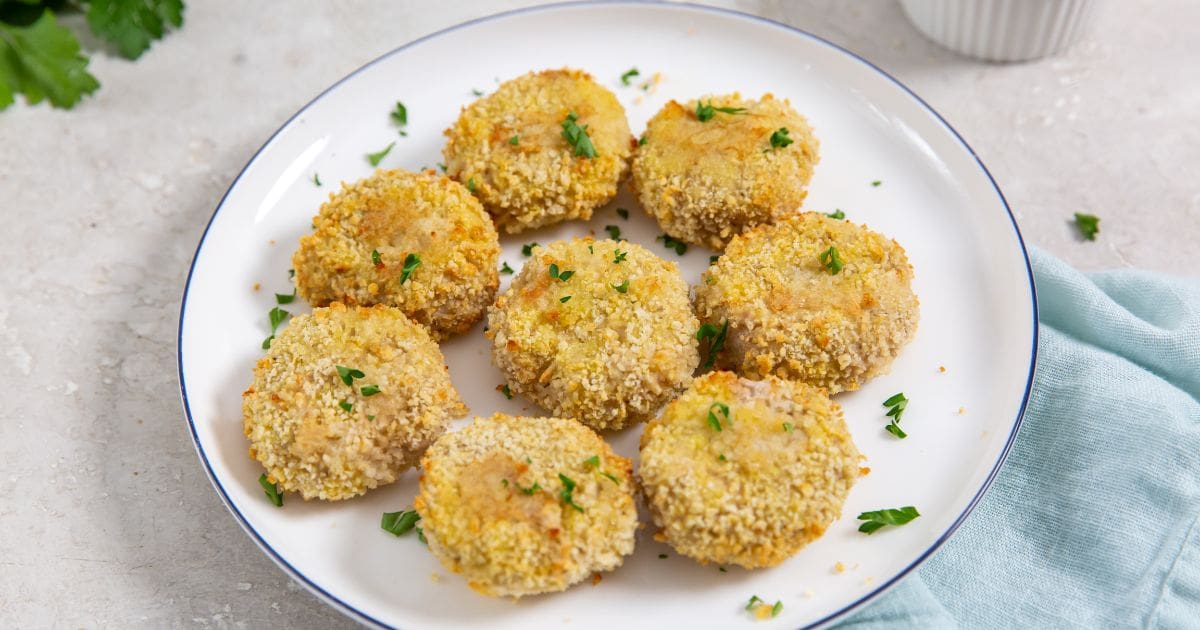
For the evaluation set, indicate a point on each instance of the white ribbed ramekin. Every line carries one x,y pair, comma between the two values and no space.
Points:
1002,30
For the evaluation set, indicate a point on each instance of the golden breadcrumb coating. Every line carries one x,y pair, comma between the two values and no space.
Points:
397,213
754,493
538,180
616,350
790,316
706,182
292,415
494,504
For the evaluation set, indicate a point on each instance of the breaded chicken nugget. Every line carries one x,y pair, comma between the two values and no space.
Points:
746,472
345,400
521,506
545,147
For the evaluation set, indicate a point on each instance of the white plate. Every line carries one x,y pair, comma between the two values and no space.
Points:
978,311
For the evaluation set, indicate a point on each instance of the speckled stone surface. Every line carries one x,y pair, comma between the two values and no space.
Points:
106,518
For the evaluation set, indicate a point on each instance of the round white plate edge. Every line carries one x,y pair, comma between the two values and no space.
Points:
362,617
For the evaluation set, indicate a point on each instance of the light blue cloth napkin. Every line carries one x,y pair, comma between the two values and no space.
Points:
1094,520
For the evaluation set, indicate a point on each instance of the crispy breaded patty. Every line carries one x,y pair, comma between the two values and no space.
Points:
323,438
403,217
753,492
509,148
601,331
790,315
521,506
707,181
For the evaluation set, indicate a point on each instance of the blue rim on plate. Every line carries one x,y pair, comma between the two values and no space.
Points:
365,618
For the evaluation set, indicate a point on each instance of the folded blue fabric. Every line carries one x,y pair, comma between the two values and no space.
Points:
1094,520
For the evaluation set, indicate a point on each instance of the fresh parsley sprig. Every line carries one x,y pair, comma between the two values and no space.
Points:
891,516
411,262
271,489
714,420
629,74
896,406
560,275
780,138
831,260
399,523
275,317
706,111
577,137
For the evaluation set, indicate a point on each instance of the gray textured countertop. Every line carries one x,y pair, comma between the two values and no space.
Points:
106,518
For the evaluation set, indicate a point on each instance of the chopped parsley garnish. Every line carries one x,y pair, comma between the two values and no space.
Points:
291,273
705,112
623,213
369,390
276,317
710,331
614,232
515,140
411,262
679,246
421,536
347,407
284,298
642,141
400,114
788,427
567,492
376,258
892,516
530,490
377,157
272,490
619,256
316,179
506,391
714,420
476,92
629,74
777,608
590,250
831,260
876,183
1088,224
836,214
712,259
348,374
371,418
527,248
505,268
753,600
780,138
471,184
722,457
560,275
564,299
623,287
722,569
504,482
399,523
896,405
577,137
662,556
442,166
594,462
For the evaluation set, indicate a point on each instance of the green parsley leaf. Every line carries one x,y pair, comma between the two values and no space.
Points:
564,299
788,427
291,273
347,407
272,490
442,166
836,214
471,184
560,275
527,248
777,608
896,406
316,179
504,482
505,268
895,399
553,271
266,344
722,569
712,259
577,137
399,523
710,331
507,392
629,74
662,556
722,457
284,298
476,92
831,260
780,138
623,213
400,114
131,25
421,536
530,490
753,600
593,461
515,140
348,374
614,232
376,258
895,430
276,317
642,141
623,287
567,492
876,183
1088,224
619,256
705,112
369,390
892,516
42,60
375,158
714,420
679,246
411,262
